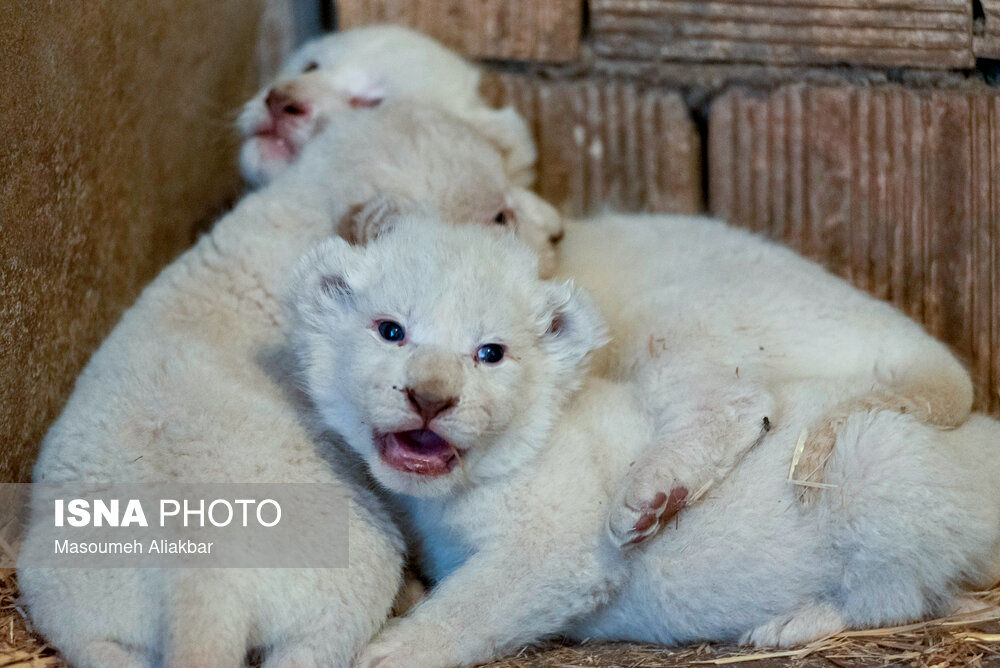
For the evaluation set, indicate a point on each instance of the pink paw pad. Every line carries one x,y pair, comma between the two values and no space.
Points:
660,509
675,503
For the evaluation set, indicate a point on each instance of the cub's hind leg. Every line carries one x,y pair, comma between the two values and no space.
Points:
914,516
937,392
806,624
102,653
821,436
325,616
95,617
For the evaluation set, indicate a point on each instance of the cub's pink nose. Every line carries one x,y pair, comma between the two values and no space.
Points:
281,104
429,406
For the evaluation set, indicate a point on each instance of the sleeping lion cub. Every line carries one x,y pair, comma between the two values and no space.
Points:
459,378
362,69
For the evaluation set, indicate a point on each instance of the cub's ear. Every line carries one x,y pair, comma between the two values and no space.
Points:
324,281
365,222
574,326
508,131
540,225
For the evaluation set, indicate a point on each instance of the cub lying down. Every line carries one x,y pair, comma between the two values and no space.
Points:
360,69
191,386
751,310
453,372
745,310
658,279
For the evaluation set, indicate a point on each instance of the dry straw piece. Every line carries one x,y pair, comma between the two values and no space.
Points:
967,639
18,645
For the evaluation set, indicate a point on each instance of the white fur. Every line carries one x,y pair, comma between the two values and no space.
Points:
746,312
376,63
760,307
515,537
387,280
749,311
193,385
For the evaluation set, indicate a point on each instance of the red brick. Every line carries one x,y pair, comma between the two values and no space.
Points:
925,33
893,188
607,143
500,29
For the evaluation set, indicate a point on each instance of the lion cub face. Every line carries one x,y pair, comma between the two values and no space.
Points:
356,71
437,353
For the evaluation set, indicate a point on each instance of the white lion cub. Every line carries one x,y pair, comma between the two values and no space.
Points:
750,310
360,69
451,369
783,318
191,387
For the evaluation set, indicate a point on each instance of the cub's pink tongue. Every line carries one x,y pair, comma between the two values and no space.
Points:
277,147
420,451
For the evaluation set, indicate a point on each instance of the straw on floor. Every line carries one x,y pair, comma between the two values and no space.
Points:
969,639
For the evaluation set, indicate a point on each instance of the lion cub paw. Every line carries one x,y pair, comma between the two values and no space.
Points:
647,500
404,643
806,625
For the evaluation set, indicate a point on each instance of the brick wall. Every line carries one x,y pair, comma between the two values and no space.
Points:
607,142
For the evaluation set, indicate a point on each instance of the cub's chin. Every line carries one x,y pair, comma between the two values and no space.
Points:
263,159
416,462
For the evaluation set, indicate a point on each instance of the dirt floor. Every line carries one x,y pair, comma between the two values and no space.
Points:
971,639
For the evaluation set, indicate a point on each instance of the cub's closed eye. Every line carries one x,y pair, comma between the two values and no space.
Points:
310,66
363,102
490,353
391,331
504,217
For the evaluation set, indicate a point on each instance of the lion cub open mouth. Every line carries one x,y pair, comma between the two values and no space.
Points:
419,451
276,143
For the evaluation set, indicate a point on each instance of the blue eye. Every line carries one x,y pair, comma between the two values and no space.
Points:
391,331
490,353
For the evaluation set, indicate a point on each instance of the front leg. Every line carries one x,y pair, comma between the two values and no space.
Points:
495,603
706,424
